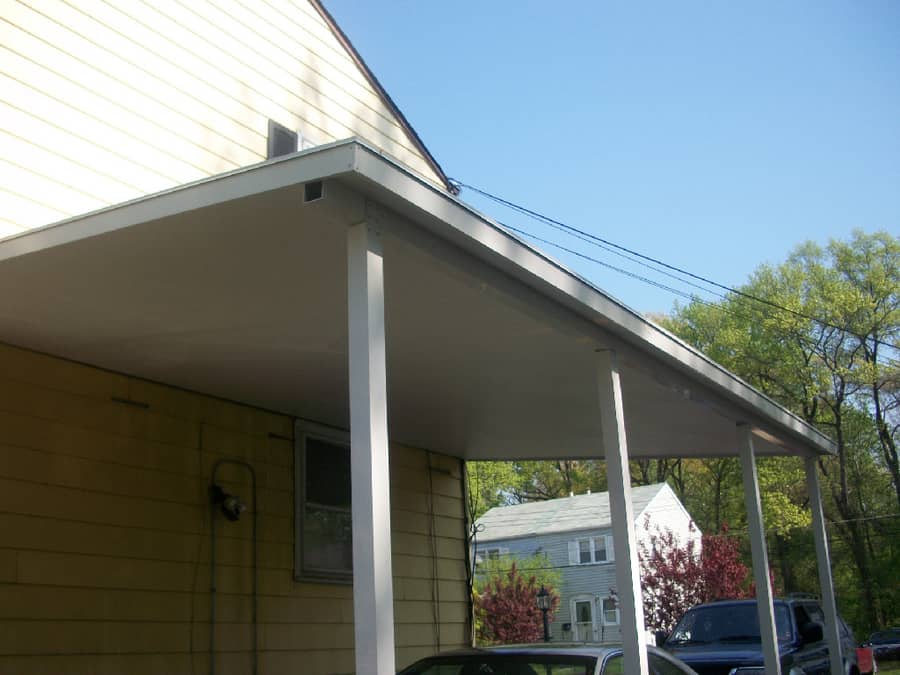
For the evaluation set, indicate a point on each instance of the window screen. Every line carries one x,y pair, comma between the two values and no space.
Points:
324,547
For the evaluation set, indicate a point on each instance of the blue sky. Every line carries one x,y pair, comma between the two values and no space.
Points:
715,136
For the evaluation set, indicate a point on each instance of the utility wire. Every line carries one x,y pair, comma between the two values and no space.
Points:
581,234
628,273
684,294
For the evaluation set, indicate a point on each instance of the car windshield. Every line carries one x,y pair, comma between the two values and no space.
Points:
727,623
884,637
504,664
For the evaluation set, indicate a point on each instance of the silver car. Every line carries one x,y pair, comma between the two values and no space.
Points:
575,659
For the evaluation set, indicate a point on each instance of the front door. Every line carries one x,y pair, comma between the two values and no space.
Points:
584,620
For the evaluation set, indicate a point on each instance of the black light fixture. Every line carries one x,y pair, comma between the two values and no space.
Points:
231,505
543,603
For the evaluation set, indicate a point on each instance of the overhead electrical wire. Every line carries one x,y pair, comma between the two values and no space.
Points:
631,254
584,256
684,294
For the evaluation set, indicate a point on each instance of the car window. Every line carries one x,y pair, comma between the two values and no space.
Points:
884,637
815,612
504,664
727,623
615,665
801,615
659,665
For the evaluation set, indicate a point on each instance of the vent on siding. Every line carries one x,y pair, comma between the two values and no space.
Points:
313,191
282,141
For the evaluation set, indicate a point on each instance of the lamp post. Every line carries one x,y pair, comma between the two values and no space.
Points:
543,603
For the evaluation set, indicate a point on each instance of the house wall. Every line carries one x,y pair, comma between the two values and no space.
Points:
667,513
106,101
663,512
104,515
594,580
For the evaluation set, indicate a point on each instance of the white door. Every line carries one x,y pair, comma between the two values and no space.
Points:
584,621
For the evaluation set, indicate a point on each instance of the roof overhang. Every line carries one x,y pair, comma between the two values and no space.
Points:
235,287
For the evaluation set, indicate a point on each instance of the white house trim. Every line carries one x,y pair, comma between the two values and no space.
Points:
123,315
758,552
634,639
823,563
373,604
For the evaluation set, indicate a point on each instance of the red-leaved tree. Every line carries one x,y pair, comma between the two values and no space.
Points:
677,575
508,609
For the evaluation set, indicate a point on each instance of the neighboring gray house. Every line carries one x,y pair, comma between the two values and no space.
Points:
575,533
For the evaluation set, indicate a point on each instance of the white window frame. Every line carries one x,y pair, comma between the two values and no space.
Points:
575,550
603,612
304,431
487,553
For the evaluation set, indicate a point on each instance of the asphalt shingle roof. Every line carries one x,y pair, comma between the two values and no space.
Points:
567,514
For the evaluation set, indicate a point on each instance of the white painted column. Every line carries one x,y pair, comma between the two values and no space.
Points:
823,562
373,597
628,580
758,551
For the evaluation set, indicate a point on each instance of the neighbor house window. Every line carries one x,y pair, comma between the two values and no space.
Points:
323,544
490,553
591,550
610,612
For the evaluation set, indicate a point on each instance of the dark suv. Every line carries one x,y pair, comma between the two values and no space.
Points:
717,637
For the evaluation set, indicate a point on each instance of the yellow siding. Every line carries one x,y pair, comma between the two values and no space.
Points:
105,537
105,101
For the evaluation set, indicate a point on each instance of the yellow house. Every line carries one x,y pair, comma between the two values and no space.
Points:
104,102
237,388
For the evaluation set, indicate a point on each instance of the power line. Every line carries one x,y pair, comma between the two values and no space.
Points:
684,294
628,273
607,244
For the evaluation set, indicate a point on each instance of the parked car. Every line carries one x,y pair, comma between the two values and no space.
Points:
718,637
542,660
885,644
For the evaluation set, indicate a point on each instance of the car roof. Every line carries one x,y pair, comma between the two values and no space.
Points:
746,601
568,648
576,648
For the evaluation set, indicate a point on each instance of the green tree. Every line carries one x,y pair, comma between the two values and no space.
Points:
488,484
832,358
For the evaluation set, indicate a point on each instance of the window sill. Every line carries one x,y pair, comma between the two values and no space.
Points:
341,580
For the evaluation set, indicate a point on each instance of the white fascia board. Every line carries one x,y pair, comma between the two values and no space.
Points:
315,164
451,220
494,245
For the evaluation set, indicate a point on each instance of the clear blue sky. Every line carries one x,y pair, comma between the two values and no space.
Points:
713,135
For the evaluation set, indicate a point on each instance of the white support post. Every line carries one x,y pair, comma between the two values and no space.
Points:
628,581
373,597
764,605
823,562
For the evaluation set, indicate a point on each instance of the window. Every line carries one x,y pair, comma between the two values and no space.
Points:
591,550
610,612
323,548
583,611
490,553
661,665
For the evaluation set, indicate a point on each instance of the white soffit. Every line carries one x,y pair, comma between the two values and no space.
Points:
234,287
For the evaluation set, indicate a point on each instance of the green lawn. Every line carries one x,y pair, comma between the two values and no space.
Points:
889,667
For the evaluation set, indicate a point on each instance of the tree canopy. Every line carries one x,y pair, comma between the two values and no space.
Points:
820,334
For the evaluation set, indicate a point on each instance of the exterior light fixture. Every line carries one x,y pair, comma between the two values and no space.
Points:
231,505
543,603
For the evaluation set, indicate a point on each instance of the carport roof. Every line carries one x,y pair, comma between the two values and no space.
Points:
236,286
